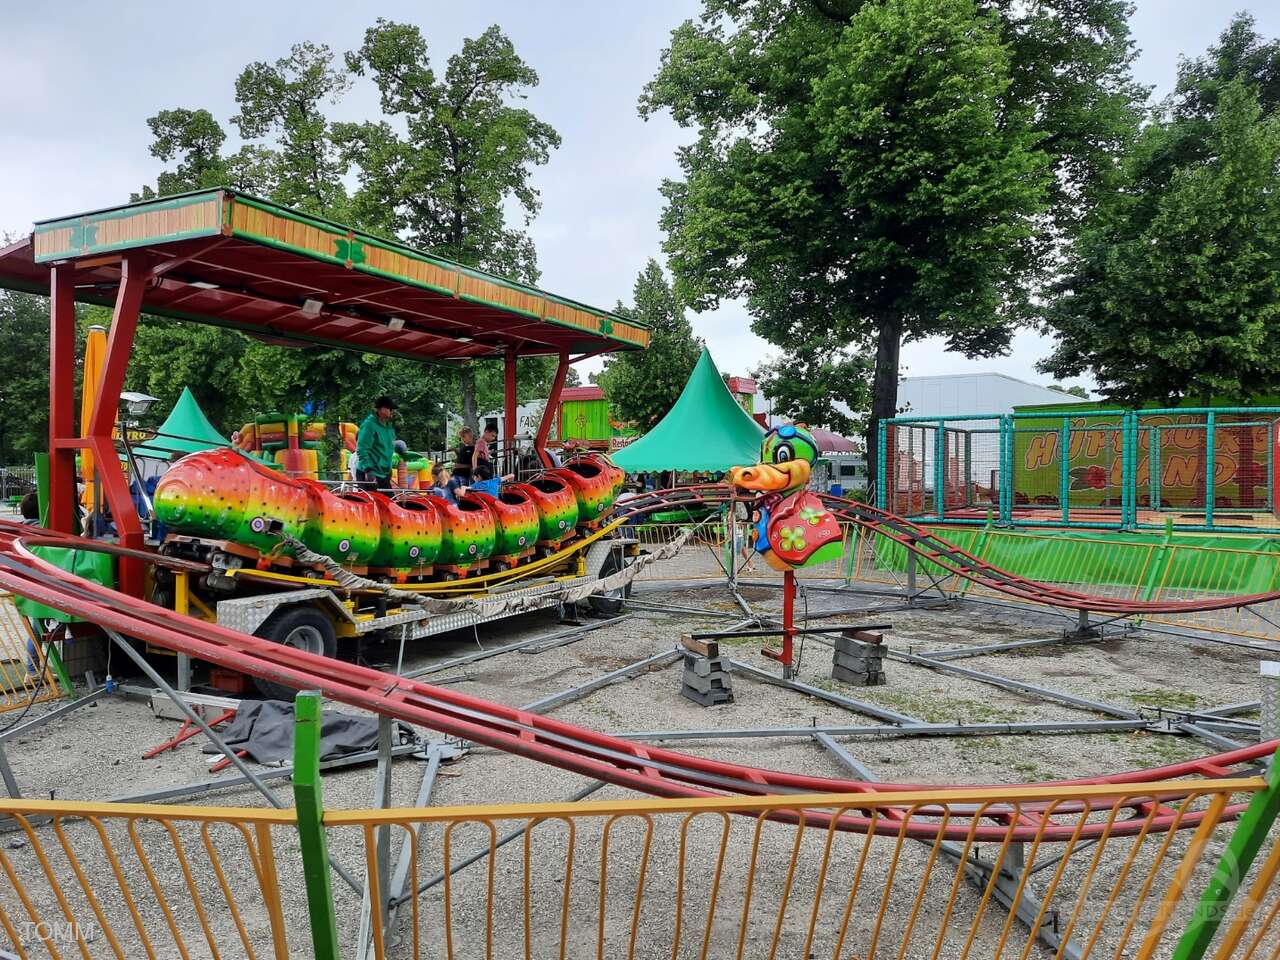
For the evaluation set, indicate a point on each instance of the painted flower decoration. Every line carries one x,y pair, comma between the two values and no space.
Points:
812,515
792,538
1088,478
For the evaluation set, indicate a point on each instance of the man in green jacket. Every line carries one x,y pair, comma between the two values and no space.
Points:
375,444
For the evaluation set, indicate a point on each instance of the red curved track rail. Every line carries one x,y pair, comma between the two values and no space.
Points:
955,559
588,752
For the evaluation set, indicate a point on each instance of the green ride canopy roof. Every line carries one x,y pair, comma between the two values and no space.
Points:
704,430
185,430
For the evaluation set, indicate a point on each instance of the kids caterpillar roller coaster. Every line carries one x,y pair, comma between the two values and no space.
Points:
218,256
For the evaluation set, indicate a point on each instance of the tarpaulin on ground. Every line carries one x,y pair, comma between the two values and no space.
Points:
265,729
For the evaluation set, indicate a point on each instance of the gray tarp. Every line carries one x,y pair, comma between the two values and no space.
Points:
265,729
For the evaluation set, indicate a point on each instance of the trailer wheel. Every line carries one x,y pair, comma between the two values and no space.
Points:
303,628
610,602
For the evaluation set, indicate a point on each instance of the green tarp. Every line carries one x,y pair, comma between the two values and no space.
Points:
185,430
704,430
90,564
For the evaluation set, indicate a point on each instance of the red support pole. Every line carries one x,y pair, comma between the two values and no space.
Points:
553,404
788,620
509,410
115,488
62,389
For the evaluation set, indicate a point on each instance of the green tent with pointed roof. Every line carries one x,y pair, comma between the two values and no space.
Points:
704,430
185,430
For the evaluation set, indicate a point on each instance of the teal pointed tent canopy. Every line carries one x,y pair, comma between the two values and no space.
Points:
185,430
704,430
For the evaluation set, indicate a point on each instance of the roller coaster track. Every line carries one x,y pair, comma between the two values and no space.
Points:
588,752
929,546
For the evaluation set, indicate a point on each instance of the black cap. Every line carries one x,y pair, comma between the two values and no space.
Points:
385,401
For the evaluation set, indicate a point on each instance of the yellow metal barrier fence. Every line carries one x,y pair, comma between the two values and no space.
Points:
129,881
25,677
647,878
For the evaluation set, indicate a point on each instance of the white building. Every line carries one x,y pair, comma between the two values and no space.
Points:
958,395
962,394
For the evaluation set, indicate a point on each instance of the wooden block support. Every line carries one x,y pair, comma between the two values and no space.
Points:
865,636
704,648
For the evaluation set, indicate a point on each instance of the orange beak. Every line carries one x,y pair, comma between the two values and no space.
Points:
771,477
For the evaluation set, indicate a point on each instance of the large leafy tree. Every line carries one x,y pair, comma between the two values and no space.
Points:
285,100
292,159
235,377
1240,54
194,139
1070,65
806,384
24,377
459,156
450,161
1173,289
641,387
869,173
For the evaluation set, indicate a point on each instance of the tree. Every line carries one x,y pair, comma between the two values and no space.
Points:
1241,54
284,100
642,386
1074,390
171,354
861,175
1173,291
1070,64
194,138
465,159
805,384
24,377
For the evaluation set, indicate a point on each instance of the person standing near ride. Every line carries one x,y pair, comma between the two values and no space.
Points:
376,444
463,458
482,464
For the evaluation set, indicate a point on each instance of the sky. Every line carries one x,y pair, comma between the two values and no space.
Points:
82,77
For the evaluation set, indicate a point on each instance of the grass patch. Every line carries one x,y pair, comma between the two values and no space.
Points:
930,709
1161,750
1166,699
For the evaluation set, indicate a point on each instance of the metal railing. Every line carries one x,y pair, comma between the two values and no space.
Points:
16,482
674,878
687,878
1154,569
716,547
26,676
1133,570
130,880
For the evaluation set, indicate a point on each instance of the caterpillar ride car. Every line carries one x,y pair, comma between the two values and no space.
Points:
258,529
222,504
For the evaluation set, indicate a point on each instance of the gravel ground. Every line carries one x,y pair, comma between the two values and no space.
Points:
95,754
